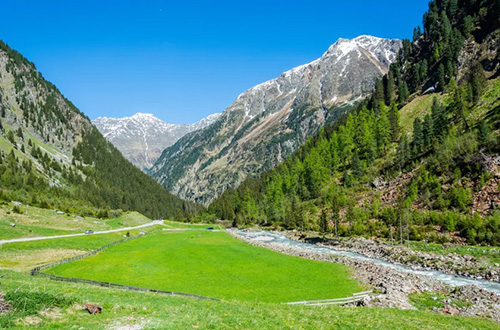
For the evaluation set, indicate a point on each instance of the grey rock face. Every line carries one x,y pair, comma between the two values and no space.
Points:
271,120
142,137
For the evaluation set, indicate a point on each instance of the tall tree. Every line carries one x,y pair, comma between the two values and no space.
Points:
441,77
394,121
378,95
336,213
384,131
390,90
418,135
323,223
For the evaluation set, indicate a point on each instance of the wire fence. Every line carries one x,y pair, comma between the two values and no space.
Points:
37,271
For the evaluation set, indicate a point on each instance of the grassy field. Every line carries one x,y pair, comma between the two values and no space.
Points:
185,225
129,219
417,108
491,254
23,256
135,310
33,221
213,264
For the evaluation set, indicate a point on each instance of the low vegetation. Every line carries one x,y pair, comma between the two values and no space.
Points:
216,265
148,310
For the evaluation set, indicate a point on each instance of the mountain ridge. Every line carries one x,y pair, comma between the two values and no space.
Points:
53,157
271,120
142,137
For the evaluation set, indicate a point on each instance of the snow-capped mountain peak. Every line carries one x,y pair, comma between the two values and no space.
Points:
270,121
142,137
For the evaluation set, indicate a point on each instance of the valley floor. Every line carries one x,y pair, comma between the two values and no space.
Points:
252,282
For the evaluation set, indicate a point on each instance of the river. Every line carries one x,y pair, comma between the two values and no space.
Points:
452,280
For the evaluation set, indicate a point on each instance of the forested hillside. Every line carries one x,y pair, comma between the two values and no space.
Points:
417,160
52,156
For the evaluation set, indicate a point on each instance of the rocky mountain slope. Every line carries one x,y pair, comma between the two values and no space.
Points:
271,120
52,156
142,137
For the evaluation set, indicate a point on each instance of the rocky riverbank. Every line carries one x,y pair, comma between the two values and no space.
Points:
461,265
391,286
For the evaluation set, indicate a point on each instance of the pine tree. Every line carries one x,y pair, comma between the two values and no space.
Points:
384,132
403,92
483,133
459,106
441,77
403,152
428,130
440,121
390,94
424,69
378,95
477,81
418,135
445,27
394,121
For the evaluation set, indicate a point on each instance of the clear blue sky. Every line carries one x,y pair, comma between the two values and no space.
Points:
183,60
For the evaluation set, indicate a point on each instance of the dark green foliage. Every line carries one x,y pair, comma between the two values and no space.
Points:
477,81
483,133
418,136
394,122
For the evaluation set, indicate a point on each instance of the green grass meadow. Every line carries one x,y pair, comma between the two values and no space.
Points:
137,310
213,264
23,256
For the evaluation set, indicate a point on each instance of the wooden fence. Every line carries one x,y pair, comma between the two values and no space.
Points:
37,272
338,301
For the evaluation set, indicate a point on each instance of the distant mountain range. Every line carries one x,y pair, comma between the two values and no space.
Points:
270,121
142,137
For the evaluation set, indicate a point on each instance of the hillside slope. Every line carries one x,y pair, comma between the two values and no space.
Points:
270,121
420,161
52,156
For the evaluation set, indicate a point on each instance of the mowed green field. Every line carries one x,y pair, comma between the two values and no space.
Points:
23,256
140,310
213,264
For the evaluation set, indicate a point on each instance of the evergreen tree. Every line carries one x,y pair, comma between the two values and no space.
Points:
424,69
428,130
390,95
403,92
439,119
394,122
441,77
378,95
483,133
477,81
418,135
384,132
403,152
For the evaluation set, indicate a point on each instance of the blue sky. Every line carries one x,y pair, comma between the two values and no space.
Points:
182,60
